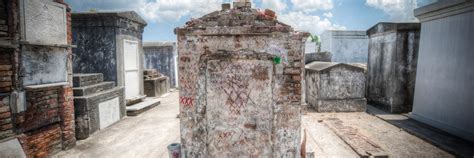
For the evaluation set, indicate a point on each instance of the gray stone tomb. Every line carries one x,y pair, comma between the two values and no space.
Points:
335,87
393,55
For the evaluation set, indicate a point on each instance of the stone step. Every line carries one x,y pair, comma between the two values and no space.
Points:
82,80
135,100
141,107
88,90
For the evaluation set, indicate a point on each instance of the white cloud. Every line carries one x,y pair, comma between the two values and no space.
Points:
276,5
173,10
312,5
311,23
328,14
398,10
159,10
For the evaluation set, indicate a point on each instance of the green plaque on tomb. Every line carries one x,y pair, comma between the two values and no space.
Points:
277,60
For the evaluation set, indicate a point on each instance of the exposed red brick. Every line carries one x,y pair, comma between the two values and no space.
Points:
270,13
296,77
6,73
5,67
6,127
292,71
6,78
5,84
67,116
4,109
5,89
5,121
42,142
5,115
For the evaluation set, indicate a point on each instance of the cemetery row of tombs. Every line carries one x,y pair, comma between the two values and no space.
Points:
243,76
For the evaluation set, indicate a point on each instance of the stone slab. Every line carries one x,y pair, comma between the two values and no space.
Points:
11,148
43,21
43,65
360,143
135,100
109,112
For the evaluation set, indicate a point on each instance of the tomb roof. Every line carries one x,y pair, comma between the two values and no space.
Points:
322,66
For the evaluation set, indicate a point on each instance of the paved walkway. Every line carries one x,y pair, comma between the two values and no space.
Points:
148,134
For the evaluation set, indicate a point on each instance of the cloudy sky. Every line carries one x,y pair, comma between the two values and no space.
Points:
313,16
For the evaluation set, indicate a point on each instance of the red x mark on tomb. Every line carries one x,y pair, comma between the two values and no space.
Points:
224,135
186,101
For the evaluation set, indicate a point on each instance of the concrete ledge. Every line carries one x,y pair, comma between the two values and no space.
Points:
341,105
129,15
443,8
47,45
46,85
82,80
383,28
88,90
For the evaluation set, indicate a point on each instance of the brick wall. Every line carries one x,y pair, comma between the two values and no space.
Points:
6,82
49,113
42,109
66,108
42,142
6,126
6,70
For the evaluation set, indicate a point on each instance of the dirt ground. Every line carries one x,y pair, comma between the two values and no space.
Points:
148,134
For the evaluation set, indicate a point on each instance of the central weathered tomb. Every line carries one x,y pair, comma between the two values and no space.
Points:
240,77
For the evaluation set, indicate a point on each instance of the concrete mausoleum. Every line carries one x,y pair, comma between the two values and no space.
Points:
240,76
110,43
445,78
162,57
393,55
156,84
345,46
335,87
